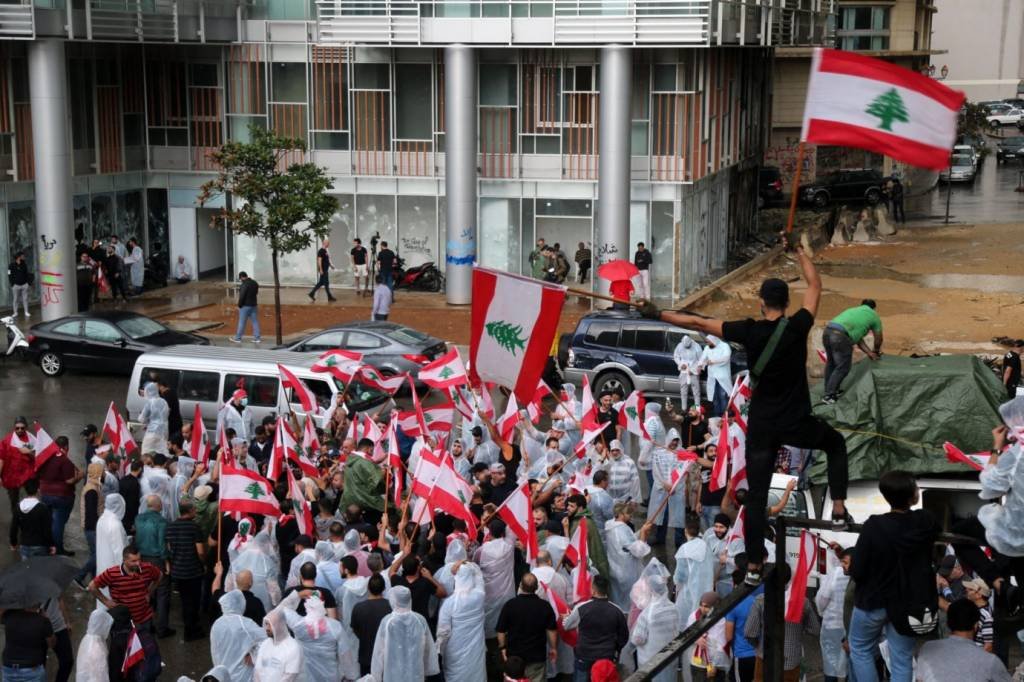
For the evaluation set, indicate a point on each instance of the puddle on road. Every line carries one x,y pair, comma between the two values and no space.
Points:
976,282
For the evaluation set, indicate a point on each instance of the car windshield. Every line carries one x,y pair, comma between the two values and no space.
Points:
140,327
961,160
1013,142
406,336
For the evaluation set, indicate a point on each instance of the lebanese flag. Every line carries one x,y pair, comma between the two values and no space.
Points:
134,654
512,327
457,395
395,460
738,457
371,377
438,418
199,446
224,454
867,103
517,513
589,416
509,420
306,397
342,364
444,372
44,448
484,405
976,461
797,592
589,436
451,494
739,399
300,506
738,530
247,492
561,610
310,444
576,554
631,415
535,407
720,471
283,449
117,431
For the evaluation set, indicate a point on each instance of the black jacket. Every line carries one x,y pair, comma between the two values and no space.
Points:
32,529
17,273
248,293
887,541
602,630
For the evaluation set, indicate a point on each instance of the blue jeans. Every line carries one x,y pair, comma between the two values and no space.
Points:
866,630
36,674
89,567
32,550
582,670
708,514
60,508
248,312
662,532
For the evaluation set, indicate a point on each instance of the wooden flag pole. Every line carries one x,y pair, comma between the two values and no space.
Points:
794,195
602,297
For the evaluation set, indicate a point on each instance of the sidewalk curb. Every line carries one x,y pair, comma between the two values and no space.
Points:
756,263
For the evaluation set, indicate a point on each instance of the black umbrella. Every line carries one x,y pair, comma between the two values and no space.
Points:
35,580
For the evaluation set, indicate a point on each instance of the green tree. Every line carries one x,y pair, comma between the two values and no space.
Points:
973,120
286,208
888,107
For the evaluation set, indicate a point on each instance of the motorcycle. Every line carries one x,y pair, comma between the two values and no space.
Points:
16,341
425,277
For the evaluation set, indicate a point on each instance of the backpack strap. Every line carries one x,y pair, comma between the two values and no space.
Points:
769,351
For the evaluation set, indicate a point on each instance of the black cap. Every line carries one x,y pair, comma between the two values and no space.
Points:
21,420
477,431
89,430
774,292
303,540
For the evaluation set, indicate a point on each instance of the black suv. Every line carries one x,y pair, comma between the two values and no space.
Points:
861,184
622,349
769,186
1009,149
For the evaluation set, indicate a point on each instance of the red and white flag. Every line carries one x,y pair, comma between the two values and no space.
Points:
342,364
535,408
517,513
451,494
509,420
589,417
512,326
397,468
444,372
300,506
631,416
976,461
797,592
738,530
371,377
199,446
224,454
867,103
720,471
134,654
822,356
484,404
577,555
439,418
305,396
45,447
117,431
310,443
739,399
561,609
247,492
738,457
463,402
283,449
589,436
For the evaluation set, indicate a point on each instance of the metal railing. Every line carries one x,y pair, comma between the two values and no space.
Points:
142,20
18,21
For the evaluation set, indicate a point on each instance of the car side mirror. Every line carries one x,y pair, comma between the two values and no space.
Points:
122,343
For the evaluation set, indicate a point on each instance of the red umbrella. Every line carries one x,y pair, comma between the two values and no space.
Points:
615,270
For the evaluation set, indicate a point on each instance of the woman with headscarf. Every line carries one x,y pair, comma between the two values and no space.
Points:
280,657
91,508
259,557
110,536
91,664
716,358
181,483
656,625
460,628
668,472
329,652
687,358
235,639
155,416
404,649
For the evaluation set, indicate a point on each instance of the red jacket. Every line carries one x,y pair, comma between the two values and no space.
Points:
18,467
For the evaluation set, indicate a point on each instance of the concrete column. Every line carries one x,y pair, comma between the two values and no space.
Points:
460,143
613,172
55,227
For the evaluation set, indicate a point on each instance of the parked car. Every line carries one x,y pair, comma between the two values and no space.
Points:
970,151
976,142
769,186
1006,117
621,349
862,184
1010,148
391,348
962,168
989,105
102,340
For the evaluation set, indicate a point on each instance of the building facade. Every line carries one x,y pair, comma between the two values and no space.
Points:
457,131
996,72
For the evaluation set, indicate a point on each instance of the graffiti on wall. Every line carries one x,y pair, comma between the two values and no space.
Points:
461,251
51,280
783,156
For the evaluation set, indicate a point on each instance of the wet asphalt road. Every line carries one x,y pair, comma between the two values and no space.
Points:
989,199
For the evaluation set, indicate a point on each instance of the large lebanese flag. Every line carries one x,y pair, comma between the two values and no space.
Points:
247,492
342,364
631,416
45,447
444,372
561,610
513,323
858,101
517,513
451,494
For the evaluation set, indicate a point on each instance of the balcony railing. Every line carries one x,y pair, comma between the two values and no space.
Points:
17,20
143,20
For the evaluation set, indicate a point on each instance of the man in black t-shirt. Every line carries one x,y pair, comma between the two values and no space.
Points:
307,588
358,254
780,406
28,636
323,267
1011,368
386,264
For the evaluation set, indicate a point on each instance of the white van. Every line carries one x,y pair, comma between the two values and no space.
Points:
208,375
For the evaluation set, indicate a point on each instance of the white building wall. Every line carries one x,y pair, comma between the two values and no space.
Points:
984,43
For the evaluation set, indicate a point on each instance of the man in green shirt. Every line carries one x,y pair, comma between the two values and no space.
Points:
539,260
151,540
847,329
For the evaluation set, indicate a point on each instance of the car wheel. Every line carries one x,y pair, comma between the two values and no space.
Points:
51,363
821,199
610,381
873,196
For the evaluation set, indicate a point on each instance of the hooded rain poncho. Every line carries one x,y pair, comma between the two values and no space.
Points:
655,429
695,575
404,649
260,558
110,536
687,356
329,651
154,416
280,657
233,637
91,664
717,360
625,553
656,626
186,467
663,464
460,628
496,561
1004,522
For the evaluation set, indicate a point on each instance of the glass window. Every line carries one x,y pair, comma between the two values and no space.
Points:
170,377
863,28
262,390
499,233
140,327
372,76
564,207
324,395
602,334
406,336
325,341
98,330
497,84
203,74
413,101
362,341
69,328
417,230
650,339
199,386
665,77
289,80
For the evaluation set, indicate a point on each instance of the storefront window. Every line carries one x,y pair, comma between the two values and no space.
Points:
375,215
417,230
499,245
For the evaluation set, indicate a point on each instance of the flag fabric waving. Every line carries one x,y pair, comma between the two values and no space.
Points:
44,448
720,471
371,377
310,443
576,554
300,506
199,446
395,464
976,461
485,405
282,450
797,592
517,513
631,416
444,372
342,364
247,492
739,400
451,494
561,609
438,418
134,654
509,420
535,407
589,417
306,397
117,431
589,436
867,103
512,326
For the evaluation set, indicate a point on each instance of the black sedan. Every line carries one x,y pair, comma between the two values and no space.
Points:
104,341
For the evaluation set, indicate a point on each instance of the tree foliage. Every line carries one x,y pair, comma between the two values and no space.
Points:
972,120
285,207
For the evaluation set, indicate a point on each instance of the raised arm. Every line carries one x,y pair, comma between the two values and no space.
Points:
812,296
685,320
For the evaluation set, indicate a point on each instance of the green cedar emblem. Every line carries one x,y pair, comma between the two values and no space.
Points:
888,107
506,335
254,490
446,372
631,412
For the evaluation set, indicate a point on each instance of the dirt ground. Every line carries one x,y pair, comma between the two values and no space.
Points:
950,289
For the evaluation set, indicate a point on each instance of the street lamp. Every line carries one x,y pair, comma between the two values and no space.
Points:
929,71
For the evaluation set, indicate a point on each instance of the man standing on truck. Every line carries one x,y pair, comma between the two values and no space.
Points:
780,406
847,329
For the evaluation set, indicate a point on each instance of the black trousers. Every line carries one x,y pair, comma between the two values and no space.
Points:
322,281
999,566
65,655
190,590
763,444
743,669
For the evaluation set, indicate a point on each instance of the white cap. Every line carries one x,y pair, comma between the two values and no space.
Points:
615,445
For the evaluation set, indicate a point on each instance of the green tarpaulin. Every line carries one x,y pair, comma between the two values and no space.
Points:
897,412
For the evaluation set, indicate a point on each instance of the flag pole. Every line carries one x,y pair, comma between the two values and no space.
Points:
794,195
602,297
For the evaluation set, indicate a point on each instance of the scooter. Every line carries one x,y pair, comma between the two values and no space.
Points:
16,341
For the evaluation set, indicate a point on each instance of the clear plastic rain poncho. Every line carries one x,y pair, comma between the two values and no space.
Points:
496,561
219,673
640,595
655,429
280,657
559,584
229,417
306,555
154,416
233,637
663,463
350,546
455,552
156,481
404,649
242,537
260,558
695,575
91,664
625,552
328,570
354,590
460,628
186,467
556,546
567,420
1004,523
329,650
717,360
657,624
110,536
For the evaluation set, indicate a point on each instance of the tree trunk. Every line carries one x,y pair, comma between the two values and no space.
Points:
277,297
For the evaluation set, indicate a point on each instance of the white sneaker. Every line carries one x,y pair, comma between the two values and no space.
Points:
257,340
234,340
